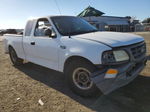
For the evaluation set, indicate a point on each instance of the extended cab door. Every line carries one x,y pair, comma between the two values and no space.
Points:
41,49
27,40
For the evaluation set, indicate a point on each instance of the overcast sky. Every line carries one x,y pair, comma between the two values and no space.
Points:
14,13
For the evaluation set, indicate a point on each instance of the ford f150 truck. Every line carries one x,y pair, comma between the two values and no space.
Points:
91,60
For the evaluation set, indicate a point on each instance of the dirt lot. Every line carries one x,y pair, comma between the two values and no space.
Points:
22,87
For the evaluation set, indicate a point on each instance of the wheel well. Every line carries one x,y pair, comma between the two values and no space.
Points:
72,58
9,47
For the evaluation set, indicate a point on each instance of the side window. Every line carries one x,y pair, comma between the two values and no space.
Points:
28,28
41,26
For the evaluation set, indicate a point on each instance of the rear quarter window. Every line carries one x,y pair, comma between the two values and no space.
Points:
28,28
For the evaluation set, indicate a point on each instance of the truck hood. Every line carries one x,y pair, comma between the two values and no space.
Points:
112,39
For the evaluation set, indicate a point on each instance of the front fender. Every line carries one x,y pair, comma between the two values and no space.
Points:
87,49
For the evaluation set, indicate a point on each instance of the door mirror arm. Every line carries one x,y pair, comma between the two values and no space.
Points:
53,35
48,32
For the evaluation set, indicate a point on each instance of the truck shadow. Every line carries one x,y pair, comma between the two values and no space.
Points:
133,97
148,57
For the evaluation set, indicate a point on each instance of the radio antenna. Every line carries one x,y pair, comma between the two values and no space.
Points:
57,6
89,2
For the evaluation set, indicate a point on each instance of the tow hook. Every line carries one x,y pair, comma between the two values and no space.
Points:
129,72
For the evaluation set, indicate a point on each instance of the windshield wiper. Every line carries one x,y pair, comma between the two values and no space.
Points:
93,31
81,32
88,31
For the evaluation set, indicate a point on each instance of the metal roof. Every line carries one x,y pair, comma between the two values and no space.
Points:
90,11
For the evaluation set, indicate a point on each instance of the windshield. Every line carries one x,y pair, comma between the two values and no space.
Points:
67,25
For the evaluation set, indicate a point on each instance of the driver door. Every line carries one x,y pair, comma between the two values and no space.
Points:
45,48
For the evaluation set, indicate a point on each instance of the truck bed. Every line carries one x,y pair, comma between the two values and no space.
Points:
13,35
16,41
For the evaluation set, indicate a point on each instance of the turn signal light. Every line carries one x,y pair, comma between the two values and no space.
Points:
111,73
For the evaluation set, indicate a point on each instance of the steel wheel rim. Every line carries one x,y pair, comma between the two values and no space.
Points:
13,55
81,78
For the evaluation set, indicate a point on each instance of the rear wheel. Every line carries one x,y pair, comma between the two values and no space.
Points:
14,58
78,78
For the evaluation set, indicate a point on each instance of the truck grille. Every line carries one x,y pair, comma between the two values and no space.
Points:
138,50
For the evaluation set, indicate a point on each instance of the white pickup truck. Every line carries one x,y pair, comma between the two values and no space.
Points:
91,60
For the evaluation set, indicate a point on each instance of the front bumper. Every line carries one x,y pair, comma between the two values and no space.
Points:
127,72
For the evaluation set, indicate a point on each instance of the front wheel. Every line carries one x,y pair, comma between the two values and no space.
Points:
14,58
78,78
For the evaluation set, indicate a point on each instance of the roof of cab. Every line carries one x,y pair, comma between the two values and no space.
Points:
35,18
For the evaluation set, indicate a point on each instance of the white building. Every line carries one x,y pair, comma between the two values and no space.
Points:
110,23
105,23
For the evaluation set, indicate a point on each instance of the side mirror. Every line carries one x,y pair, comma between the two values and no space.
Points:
49,32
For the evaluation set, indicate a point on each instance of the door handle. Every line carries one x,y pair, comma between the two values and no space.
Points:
32,43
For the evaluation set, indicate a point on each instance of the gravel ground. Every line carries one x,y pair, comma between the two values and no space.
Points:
22,87
1,38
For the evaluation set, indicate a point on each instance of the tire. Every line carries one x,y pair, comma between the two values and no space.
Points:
80,85
14,58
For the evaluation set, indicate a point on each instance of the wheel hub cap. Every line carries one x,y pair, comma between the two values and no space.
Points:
81,78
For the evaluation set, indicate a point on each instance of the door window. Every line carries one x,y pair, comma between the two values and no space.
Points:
41,26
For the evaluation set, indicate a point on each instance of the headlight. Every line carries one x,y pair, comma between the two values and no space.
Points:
111,57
